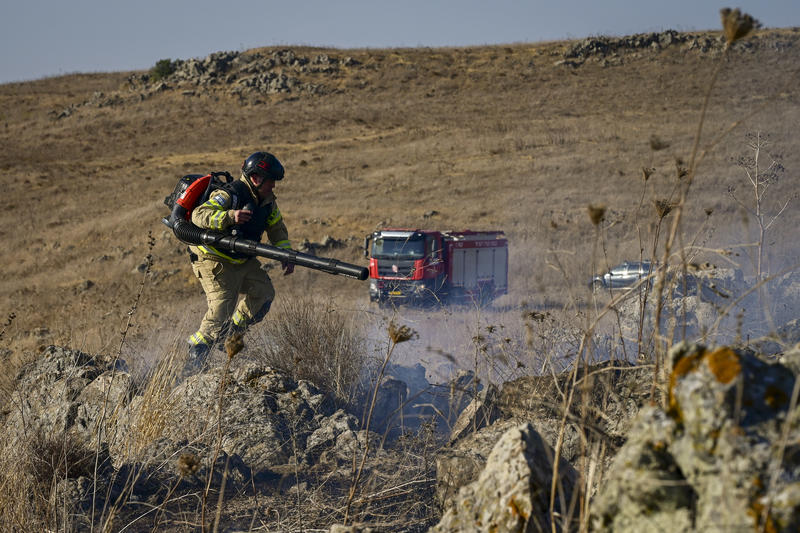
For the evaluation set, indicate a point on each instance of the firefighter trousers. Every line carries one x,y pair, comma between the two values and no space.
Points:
223,283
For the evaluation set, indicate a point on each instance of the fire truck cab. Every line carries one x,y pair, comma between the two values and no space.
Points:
414,266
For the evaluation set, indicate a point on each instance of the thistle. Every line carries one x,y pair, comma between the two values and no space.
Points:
234,344
400,334
663,207
736,25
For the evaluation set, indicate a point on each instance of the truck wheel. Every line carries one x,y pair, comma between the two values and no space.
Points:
597,286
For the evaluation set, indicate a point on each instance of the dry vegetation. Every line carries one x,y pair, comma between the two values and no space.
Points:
506,137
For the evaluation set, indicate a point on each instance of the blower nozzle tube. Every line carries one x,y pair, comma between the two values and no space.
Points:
191,234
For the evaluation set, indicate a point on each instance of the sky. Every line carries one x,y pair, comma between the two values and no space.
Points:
41,38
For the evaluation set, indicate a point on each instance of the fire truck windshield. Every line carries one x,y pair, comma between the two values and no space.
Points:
397,248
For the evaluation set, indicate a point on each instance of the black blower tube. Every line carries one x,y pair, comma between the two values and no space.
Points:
191,234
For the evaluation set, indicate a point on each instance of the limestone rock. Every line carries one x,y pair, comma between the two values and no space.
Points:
717,458
512,492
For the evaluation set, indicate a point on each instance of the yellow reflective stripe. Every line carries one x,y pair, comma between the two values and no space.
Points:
213,251
214,203
283,244
216,219
238,318
274,217
198,338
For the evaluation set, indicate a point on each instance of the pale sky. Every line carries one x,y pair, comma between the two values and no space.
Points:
50,37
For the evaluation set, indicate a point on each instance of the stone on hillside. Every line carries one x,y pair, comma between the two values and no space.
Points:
512,492
67,390
260,417
717,459
461,462
326,435
482,411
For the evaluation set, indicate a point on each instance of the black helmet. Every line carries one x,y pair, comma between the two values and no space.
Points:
264,165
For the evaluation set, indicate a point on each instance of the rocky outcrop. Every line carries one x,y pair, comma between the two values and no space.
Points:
612,50
605,46
614,394
68,392
720,457
513,491
279,71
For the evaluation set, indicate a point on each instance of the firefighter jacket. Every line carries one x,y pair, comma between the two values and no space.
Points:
217,214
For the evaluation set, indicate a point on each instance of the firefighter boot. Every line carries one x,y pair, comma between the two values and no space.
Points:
197,361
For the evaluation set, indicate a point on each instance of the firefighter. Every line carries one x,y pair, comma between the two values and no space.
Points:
246,206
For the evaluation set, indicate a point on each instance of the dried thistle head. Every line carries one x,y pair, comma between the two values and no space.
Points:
663,207
400,334
234,344
596,213
188,464
736,25
647,172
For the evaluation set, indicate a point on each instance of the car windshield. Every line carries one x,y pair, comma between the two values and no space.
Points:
631,268
393,248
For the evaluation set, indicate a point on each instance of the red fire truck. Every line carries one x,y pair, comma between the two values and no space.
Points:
417,266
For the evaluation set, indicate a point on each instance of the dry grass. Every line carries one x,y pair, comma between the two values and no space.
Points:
318,341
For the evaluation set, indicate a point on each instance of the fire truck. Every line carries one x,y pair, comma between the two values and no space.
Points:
415,266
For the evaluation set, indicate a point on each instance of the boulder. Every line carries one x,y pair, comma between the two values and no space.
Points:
326,435
512,492
262,418
482,411
461,462
720,457
67,391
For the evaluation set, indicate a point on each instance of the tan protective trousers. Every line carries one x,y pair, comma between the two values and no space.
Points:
223,283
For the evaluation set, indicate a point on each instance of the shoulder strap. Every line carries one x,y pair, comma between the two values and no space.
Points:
240,193
216,183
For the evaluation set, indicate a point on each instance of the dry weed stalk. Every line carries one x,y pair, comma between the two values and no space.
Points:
397,334
233,345
187,465
101,421
736,26
596,213
760,178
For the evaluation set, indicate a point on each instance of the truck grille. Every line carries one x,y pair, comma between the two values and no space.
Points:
386,269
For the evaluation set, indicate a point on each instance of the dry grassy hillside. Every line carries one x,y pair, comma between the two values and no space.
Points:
520,138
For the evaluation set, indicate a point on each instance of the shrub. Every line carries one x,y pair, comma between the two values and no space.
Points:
162,69
315,341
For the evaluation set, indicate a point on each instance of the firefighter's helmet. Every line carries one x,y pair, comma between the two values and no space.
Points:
262,164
